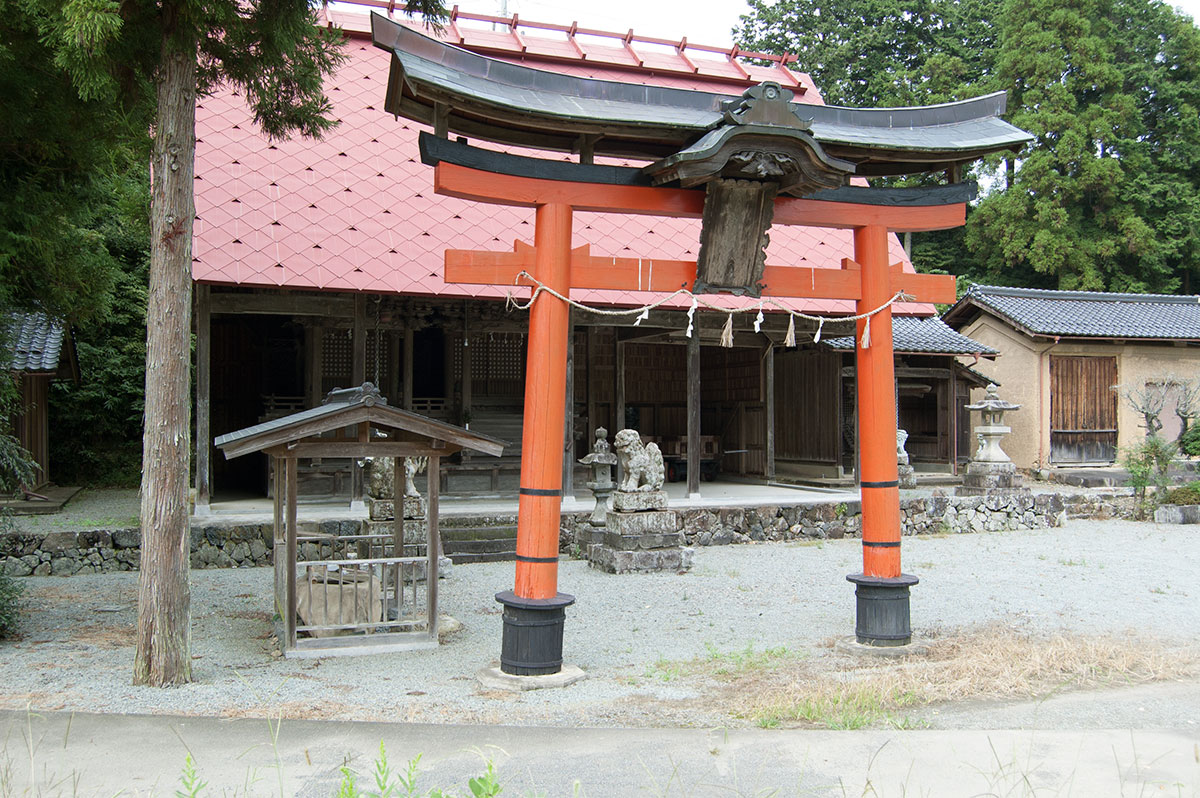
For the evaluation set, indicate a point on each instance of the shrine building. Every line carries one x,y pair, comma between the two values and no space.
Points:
320,265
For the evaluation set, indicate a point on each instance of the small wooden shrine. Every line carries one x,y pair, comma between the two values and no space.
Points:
354,594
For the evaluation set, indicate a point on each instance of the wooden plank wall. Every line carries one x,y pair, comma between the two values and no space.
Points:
33,424
806,405
1083,409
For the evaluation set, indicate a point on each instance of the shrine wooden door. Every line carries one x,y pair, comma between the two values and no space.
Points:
1083,410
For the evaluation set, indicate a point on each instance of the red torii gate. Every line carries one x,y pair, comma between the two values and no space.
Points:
732,159
868,279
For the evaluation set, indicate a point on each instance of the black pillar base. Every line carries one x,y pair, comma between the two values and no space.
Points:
882,617
533,634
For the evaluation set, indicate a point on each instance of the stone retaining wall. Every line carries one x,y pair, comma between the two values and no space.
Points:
931,515
227,545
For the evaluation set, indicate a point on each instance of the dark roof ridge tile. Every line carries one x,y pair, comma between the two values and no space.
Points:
1094,296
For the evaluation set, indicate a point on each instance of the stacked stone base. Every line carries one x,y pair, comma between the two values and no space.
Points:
381,513
638,537
985,479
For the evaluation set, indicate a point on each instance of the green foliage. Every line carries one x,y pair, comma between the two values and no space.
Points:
1147,463
98,422
391,784
1107,196
1186,494
880,52
55,150
10,603
1189,442
190,783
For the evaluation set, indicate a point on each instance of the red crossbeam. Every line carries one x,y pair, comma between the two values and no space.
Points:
479,186
663,276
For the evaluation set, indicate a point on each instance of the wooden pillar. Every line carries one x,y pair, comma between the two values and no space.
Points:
693,415
589,371
619,387
953,413
568,465
203,405
407,365
768,365
314,344
290,486
393,386
467,373
883,616
358,375
279,537
534,609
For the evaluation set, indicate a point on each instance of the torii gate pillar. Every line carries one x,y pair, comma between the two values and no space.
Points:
882,617
534,609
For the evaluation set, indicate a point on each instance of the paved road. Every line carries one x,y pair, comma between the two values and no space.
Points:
138,755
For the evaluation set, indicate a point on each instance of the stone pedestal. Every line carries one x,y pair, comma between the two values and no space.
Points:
985,479
639,535
385,509
382,513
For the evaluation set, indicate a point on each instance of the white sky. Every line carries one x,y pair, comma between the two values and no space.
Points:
701,21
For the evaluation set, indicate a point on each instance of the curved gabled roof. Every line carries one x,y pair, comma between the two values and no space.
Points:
515,104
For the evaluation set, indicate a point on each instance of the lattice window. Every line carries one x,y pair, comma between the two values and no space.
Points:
337,359
498,364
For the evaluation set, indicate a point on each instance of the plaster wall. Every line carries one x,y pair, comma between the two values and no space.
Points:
1017,373
1023,371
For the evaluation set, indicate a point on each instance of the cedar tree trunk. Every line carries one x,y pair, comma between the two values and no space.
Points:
164,597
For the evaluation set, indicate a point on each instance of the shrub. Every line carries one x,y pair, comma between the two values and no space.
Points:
1147,464
1187,494
10,603
1189,442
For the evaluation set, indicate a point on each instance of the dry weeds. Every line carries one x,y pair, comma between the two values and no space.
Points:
993,662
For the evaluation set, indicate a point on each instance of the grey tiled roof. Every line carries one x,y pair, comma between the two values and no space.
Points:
925,336
326,416
33,342
1086,313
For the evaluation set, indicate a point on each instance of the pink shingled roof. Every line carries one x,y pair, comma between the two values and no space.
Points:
357,212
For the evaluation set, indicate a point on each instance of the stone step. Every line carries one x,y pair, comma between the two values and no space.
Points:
497,556
480,533
489,546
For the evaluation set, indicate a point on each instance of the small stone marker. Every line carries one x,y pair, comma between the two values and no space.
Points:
904,469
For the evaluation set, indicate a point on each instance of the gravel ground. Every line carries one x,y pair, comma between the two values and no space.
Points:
75,648
99,508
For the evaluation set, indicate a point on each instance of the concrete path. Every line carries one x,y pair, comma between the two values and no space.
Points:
137,755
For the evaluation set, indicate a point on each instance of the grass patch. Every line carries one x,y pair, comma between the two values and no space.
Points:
737,662
842,692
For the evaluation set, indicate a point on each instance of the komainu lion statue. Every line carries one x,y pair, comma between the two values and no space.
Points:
641,466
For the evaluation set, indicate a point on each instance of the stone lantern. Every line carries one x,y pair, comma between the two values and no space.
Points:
602,460
990,468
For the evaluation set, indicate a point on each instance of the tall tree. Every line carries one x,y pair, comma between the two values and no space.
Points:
888,53
56,153
1107,197
156,56
880,52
